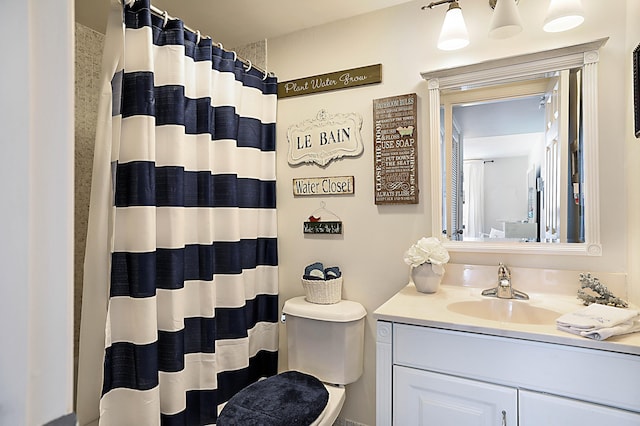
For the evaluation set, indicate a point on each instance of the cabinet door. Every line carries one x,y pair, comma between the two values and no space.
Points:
549,410
426,398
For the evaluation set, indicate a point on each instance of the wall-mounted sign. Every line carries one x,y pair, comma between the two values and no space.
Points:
325,138
322,221
337,185
322,228
332,81
396,150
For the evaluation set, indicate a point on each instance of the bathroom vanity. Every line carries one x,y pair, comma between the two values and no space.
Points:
458,358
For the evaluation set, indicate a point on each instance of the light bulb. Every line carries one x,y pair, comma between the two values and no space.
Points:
506,21
563,15
454,33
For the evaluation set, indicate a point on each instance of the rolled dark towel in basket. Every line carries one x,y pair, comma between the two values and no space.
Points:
317,271
332,272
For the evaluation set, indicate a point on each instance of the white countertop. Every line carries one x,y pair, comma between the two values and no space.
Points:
409,306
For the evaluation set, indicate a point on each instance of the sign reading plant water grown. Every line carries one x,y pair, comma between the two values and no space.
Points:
332,81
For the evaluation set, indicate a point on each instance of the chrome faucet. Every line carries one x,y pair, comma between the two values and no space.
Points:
504,289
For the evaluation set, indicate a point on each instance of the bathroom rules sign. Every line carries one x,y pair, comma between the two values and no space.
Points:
396,150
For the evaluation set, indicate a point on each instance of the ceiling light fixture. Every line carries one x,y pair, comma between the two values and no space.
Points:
453,34
563,15
506,21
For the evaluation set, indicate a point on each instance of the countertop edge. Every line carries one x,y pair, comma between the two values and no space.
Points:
391,312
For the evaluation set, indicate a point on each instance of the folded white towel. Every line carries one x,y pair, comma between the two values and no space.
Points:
605,333
600,321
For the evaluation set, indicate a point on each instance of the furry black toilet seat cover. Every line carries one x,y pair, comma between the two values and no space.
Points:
290,398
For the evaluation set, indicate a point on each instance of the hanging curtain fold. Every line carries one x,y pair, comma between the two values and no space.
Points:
181,268
473,189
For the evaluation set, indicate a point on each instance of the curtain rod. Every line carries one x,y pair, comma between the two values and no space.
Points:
163,14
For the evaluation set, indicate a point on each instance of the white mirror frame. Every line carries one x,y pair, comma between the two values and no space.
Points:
515,69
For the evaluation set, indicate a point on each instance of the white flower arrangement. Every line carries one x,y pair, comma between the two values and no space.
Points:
427,250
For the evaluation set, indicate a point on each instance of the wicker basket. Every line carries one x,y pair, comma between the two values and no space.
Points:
323,292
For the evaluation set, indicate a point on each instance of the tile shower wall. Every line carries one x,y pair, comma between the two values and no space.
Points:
89,44
254,52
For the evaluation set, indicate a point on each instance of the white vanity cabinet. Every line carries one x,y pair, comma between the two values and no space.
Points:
434,376
426,398
542,409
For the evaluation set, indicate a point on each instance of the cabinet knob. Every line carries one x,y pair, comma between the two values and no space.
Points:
504,418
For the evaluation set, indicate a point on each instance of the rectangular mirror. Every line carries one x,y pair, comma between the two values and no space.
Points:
514,153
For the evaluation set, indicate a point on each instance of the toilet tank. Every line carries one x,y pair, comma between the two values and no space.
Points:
326,341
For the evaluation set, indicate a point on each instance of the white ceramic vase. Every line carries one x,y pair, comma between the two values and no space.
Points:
425,279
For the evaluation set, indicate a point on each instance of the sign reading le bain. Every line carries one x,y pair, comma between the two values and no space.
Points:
325,138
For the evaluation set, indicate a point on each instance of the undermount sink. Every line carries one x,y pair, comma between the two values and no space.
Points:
505,310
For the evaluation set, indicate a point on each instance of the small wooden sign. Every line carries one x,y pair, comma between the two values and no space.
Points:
332,81
323,227
396,150
337,185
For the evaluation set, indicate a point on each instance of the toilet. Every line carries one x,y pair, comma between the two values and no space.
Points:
325,350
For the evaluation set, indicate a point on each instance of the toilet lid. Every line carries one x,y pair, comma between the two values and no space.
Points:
289,398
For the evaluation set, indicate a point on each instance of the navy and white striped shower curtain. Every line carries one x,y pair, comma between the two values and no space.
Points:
182,236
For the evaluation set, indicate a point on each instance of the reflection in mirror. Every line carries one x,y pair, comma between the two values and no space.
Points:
516,152
514,146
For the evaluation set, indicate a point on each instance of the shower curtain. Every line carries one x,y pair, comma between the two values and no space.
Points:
473,189
180,305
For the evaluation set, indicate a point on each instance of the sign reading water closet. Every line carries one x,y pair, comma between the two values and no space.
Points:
336,185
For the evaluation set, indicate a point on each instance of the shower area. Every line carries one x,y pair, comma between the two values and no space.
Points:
175,345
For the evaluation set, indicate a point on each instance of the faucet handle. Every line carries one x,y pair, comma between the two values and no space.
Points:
504,275
503,272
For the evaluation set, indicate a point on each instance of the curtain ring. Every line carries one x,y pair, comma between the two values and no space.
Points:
165,18
220,46
250,65
266,74
198,37
235,55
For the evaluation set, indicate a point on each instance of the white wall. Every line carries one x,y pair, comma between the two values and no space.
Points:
632,154
36,181
403,38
